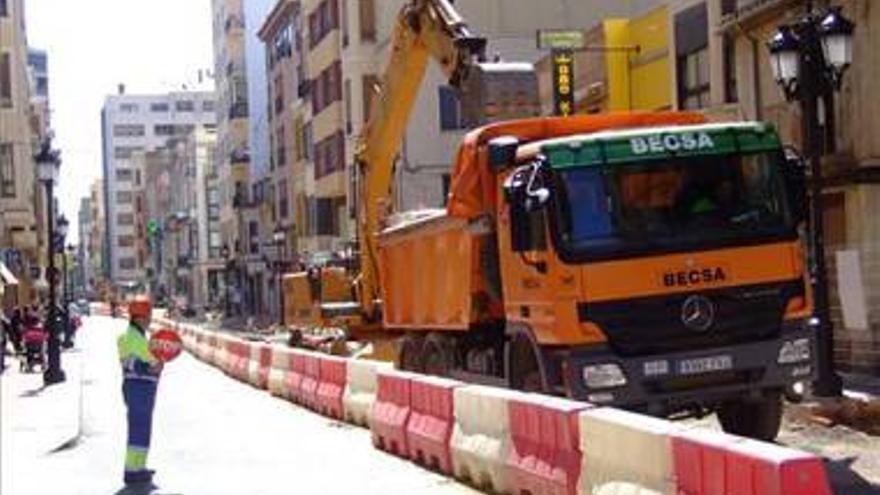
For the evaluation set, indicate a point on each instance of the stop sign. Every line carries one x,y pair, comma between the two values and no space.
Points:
165,344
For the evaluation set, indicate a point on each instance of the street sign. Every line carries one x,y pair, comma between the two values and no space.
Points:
563,82
554,39
166,345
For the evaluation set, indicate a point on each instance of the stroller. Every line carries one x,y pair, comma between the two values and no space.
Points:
34,340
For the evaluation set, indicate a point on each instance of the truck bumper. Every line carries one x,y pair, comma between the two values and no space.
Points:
666,383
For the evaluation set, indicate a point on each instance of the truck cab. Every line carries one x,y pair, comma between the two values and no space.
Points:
657,269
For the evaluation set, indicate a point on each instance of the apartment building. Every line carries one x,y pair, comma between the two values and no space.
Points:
20,229
96,246
83,276
133,124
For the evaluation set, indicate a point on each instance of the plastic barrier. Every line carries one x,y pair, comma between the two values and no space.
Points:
390,412
621,448
480,443
279,366
309,386
707,463
243,353
431,421
295,375
223,356
331,385
259,361
360,389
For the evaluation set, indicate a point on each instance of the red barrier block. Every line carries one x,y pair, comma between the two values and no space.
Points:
391,411
431,421
295,376
265,366
242,356
331,385
711,463
309,386
545,454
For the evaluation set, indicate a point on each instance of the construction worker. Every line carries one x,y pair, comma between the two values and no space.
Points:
140,371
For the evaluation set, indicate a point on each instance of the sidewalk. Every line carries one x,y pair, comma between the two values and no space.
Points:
36,421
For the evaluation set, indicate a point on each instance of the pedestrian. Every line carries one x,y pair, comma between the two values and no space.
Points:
141,371
14,335
4,331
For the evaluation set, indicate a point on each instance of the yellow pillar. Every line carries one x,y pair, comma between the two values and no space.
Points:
617,64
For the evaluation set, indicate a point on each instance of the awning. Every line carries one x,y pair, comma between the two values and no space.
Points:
7,277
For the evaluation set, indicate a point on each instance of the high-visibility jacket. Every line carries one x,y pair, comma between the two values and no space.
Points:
138,363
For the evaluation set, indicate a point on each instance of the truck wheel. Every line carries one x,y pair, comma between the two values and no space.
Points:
759,419
410,356
438,355
525,373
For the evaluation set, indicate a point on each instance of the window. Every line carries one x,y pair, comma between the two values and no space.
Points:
280,148
347,99
124,175
368,19
730,89
283,199
7,171
159,107
299,138
450,109
128,130
4,11
254,236
330,155
322,20
127,263
344,22
369,85
215,242
692,57
327,87
208,106
129,108
125,152
125,241
185,106
447,183
137,177
123,197
125,219
5,80
328,214
309,142
163,129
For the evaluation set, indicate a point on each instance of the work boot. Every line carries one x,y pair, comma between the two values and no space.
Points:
144,476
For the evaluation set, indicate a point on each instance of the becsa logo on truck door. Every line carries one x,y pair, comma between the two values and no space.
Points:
694,276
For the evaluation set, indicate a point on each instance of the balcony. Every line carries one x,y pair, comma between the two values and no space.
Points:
304,88
239,155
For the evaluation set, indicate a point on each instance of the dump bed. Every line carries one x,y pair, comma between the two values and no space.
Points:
430,271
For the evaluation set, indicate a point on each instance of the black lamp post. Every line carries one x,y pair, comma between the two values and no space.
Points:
48,161
224,253
279,237
808,59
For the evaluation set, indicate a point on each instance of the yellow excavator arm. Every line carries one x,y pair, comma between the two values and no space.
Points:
425,29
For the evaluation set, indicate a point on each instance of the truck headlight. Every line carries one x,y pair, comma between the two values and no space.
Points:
794,351
600,376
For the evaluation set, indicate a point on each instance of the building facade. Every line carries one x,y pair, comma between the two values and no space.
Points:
21,230
134,124
83,273
96,246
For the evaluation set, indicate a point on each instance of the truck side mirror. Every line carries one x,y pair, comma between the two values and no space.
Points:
502,152
794,171
526,202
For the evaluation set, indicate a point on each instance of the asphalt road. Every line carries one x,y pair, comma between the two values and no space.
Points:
215,436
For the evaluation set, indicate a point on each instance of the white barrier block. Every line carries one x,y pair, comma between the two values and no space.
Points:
480,441
278,373
360,389
624,451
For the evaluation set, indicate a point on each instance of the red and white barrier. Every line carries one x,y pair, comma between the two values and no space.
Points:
545,455
480,442
331,386
360,389
311,374
429,429
391,411
513,442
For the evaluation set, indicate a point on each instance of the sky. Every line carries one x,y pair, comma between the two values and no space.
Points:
152,46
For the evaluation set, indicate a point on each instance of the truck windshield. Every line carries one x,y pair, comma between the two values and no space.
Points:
686,203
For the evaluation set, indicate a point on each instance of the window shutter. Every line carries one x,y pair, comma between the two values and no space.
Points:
334,14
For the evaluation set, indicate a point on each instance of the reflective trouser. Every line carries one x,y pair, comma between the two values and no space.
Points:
140,397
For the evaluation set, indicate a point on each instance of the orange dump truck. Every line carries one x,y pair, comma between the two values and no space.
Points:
649,261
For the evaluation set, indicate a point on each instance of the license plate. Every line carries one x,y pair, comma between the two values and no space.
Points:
705,365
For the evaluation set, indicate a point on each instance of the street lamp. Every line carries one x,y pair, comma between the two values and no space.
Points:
809,59
48,161
279,237
67,297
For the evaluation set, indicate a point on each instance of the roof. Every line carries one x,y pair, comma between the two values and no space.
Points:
279,11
